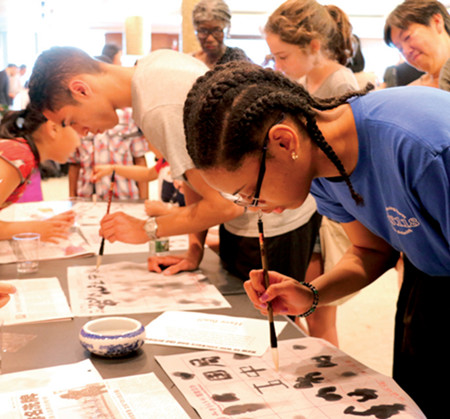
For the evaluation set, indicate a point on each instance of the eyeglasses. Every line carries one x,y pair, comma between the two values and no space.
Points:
249,201
203,33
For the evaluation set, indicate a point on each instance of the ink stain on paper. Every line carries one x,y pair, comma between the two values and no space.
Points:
383,411
243,408
184,375
308,380
241,356
329,394
225,397
364,394
299,347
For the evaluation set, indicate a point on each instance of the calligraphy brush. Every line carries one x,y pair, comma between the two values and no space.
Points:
273,335
94,188
102,244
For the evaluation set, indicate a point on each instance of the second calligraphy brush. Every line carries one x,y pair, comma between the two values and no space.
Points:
102,244
273,335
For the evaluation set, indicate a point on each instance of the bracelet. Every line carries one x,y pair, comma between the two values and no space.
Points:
315,300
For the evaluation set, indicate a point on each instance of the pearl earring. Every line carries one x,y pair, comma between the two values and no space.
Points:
294,155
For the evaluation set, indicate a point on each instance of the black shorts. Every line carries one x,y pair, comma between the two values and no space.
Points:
421,364
287,253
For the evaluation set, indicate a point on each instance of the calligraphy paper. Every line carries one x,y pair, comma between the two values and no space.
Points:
315,380
209,331
91,234
36,300
80,373
126,287
41,210
73,246
90,213
139,397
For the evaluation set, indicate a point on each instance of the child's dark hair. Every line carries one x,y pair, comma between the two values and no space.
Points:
229,108
22,124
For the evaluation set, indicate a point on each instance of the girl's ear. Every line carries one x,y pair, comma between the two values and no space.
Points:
315,45
51,129
285,137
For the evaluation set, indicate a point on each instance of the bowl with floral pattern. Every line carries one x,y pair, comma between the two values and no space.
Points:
112,336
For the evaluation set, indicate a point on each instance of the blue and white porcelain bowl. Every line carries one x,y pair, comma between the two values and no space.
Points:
112,336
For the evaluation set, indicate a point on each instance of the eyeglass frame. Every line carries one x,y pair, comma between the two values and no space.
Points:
238,200
203,33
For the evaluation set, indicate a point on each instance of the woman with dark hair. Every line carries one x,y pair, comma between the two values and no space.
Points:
26,139
420,30
378,163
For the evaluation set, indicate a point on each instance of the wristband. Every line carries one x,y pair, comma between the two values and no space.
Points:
315,299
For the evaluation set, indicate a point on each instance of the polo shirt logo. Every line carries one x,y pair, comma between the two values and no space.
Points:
399,222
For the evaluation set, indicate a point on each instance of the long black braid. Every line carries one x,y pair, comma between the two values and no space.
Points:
238,101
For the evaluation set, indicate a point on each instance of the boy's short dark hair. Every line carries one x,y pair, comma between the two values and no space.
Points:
54,68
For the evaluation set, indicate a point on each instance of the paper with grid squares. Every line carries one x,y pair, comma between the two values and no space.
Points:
315,380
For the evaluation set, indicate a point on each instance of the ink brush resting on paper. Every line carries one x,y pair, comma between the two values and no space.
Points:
273,335
102,244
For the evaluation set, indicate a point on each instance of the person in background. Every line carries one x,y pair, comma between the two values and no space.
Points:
357,64
420,30
212,20
6,97
388,202
444,78
111,54
5,291
313,44
26,138
400,74
122,145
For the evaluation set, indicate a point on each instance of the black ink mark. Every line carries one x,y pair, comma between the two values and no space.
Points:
240,356
251,372
206,362
324,361
308,380
348,374
184,375
226,397
243,408
364,394
217,375
328,394
271,383
383,411
299,347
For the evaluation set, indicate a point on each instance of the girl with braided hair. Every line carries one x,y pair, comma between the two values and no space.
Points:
26,138
313,44
378,163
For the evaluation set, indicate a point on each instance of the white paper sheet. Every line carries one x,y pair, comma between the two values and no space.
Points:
126,287
138,397
211,331
91,235
61,376
315,380
36,300
73,246
22,211
90,213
